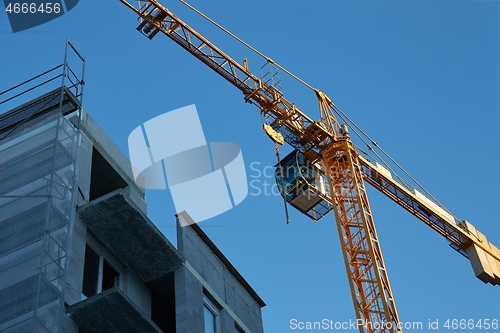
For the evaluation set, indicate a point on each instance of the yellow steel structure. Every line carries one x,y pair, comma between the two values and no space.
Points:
327,144
368,280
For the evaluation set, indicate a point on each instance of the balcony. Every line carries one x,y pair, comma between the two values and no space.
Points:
130,236
110,311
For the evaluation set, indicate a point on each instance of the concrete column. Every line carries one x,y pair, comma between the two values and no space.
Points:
188,302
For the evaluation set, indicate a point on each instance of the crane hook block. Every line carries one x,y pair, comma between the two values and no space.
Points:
275,136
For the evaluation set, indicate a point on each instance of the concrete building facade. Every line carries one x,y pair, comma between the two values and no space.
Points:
78,252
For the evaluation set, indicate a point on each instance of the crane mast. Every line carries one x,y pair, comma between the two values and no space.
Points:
325,143
366,270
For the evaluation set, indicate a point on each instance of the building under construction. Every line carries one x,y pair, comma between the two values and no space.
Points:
77,250
68,206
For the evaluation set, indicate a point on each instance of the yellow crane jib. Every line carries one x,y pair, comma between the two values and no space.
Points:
326,173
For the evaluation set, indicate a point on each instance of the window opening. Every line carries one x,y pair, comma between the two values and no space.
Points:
109,276
90,272
98,274
210,316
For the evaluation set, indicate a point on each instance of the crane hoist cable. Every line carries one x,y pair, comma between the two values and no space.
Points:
336,109
278,140
328,144
282,182
276,137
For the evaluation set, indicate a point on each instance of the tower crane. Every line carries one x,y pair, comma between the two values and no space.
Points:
327,172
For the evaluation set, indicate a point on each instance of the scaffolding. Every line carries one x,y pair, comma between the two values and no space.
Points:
39,145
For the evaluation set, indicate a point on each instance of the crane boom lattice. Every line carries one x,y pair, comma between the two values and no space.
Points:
334,177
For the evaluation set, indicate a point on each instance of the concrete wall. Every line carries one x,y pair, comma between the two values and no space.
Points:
138,292
109,151
188,303
79,237
84,170
205,274
74,279
130,283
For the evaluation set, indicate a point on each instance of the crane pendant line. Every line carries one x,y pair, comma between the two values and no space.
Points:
325,142
300,131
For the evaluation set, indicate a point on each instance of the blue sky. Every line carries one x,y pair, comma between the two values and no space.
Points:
421,77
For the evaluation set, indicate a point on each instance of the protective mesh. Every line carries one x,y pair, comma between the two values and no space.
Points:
20,298
28,226
37,191
35,112
33,166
